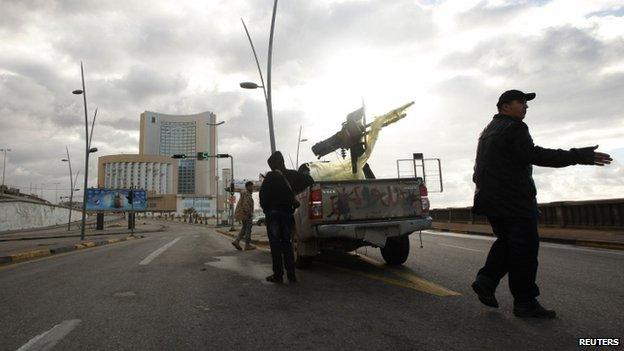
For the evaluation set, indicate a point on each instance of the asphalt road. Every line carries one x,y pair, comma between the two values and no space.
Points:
187,288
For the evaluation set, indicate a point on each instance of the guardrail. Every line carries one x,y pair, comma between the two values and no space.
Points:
596,214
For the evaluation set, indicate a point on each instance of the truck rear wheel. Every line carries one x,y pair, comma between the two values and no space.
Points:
396,250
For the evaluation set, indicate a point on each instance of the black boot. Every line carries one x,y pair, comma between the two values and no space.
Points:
274,279
532,309
484,292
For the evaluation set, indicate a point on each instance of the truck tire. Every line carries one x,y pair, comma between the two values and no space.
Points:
396,250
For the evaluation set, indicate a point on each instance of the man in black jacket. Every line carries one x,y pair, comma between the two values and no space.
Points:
505,193
277,199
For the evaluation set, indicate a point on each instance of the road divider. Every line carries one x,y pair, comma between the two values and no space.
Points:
33,254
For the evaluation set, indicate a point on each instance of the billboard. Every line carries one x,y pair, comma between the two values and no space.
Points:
115,200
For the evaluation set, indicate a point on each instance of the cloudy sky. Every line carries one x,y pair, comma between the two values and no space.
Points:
453,58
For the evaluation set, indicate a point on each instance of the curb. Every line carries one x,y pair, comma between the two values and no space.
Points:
125,231
30,255
232,235
588,243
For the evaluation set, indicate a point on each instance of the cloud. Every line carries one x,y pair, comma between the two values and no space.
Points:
188,57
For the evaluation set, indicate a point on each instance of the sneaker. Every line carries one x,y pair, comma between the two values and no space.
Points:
486,295
237,245
249,247
533,309
274,279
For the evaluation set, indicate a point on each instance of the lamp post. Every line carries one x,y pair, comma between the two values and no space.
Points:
5,150
71,187
87,151
216,170
299,141
231,187
267,91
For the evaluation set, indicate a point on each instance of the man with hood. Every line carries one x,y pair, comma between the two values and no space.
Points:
277,199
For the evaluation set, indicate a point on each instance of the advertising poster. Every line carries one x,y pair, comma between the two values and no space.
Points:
115,200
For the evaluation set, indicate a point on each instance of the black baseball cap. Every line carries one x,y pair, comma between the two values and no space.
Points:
511,95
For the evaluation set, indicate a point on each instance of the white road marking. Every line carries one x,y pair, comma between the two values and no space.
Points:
461,247
155,254
542,244
243,267
457,235
49,339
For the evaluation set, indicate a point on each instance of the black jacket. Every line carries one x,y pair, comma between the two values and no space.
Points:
503,168
276,194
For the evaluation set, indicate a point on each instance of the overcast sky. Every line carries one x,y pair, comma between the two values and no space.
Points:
453,58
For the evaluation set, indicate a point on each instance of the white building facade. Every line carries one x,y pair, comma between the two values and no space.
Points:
167,135
154,174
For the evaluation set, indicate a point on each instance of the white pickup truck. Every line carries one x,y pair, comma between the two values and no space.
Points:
346,215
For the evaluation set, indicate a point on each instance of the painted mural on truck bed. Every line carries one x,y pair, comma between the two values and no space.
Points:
371,200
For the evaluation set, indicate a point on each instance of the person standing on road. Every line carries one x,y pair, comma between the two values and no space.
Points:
244,213
505,193
277,199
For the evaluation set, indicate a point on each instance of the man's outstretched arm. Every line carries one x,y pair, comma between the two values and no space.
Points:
527,152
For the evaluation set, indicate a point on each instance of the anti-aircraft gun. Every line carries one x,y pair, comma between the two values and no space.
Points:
351,136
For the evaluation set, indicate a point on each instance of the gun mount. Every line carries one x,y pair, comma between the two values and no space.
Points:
351,136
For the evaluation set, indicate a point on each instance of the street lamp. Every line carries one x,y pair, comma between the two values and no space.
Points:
4,165
216,169
87,151
267,91
299,141
231,186
71,187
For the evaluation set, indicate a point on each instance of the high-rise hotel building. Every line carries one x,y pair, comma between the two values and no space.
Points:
167,135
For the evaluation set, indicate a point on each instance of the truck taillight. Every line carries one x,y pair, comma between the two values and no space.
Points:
315,209
424,199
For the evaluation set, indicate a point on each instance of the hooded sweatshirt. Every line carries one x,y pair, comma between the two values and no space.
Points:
275,193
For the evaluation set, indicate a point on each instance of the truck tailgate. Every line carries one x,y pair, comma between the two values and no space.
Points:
371,199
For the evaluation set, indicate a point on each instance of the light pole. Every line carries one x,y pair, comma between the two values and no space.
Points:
5,150
231,187
299,141
216,170
87,151
71,187
267,91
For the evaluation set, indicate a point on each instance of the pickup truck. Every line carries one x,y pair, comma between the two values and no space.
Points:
349,214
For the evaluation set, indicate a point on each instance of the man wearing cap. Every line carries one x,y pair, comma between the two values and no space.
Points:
505,193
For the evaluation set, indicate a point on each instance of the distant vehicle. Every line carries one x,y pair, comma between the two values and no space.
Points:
259,219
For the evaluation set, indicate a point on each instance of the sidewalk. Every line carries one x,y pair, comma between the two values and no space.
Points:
609,239
25,245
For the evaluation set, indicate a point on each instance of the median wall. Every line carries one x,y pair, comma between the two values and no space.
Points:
20,214
595,214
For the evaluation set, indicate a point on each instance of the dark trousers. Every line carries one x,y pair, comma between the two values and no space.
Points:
279,229
515,253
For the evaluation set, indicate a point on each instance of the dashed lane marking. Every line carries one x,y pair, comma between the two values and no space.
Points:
49,339
461,247
155,254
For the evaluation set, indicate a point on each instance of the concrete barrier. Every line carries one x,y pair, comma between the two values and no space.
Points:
19,214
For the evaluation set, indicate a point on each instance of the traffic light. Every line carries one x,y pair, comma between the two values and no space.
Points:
202,155
179,156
